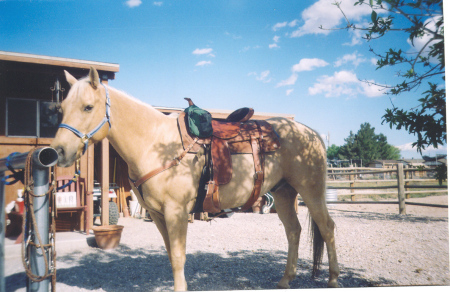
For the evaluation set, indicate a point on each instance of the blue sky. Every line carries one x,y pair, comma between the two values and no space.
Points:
269,55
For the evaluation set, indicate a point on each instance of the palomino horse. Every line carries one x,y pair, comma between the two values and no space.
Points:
147,139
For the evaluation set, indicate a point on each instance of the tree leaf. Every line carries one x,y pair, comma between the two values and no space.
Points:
374,17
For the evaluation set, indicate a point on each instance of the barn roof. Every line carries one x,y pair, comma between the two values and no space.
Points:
57,61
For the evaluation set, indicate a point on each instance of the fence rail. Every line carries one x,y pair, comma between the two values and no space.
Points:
402,186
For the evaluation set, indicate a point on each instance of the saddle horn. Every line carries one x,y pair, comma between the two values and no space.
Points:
189,101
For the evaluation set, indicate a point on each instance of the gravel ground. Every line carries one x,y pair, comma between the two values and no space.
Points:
375,245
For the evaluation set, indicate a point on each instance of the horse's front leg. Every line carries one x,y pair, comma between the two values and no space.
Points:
176,218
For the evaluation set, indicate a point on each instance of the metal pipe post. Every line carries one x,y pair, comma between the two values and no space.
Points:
43,158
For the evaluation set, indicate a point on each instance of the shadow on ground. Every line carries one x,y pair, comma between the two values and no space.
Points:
127,269
385,216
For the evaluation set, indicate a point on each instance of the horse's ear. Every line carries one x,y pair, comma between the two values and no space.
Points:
93,78
70,78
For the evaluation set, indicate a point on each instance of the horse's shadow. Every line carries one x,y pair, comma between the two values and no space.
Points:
126,269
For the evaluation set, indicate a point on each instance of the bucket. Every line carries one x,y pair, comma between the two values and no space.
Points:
108,237
134,208
331,196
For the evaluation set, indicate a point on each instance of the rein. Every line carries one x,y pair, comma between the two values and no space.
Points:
107,119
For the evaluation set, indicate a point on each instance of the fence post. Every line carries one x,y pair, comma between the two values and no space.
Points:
353,198
401,189
408,196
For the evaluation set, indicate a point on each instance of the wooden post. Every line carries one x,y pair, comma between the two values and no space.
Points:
408,196
104,182
90,184
353,198
401,189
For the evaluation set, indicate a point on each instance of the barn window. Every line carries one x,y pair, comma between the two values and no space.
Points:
31,118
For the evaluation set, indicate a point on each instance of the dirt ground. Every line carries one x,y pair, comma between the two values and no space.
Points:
393,208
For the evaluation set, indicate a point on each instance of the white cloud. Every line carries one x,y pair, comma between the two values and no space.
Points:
357,35
203,63
234,36
133,3
279,25
323,13
344,83
371,90
408,151
202,51
290,81
420,42
263,76
276,39
304,65
159,4
289,91
374,61
274,46
247,48
354,58
293,23
284,24
341,83
308,64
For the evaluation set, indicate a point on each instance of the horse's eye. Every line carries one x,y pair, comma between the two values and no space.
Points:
88,108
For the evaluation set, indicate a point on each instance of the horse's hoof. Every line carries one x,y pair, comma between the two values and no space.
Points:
333,284
283,284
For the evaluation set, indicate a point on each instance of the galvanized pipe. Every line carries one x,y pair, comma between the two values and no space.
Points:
43,158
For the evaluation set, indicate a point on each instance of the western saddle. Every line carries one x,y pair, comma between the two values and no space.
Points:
237,134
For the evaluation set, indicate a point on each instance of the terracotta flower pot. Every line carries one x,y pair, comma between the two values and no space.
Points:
108,237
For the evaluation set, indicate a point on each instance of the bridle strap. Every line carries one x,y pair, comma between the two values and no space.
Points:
85,137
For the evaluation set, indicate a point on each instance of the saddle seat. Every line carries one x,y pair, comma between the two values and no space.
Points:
237,134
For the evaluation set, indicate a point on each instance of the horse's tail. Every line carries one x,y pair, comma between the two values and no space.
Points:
318,246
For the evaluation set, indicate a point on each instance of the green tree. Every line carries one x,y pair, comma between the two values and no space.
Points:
332,152
441,173
420,20
366,145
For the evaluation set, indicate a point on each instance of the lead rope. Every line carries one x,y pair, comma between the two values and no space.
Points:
29,220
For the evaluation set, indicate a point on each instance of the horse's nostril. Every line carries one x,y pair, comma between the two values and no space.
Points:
60,151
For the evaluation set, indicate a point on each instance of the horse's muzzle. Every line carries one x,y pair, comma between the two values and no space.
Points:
63,160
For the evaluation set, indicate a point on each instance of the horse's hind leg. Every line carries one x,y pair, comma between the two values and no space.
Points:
314,198
284,198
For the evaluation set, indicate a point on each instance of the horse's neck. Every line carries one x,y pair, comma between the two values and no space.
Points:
135,129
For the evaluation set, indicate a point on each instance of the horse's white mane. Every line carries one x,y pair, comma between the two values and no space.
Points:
134,99
140,102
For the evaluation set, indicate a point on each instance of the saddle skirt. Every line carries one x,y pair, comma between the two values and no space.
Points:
255,137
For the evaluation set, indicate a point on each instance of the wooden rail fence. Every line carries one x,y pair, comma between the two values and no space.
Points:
402,185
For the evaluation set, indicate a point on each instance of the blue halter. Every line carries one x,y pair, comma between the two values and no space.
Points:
85,137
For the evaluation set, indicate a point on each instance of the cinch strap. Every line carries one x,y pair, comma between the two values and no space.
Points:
85,137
